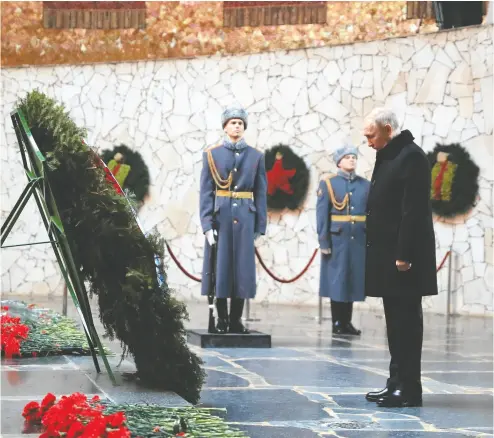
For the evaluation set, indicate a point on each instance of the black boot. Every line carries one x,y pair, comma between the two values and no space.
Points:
348,327
222,308
236,310
336,316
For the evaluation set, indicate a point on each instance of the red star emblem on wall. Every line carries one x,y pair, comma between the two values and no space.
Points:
279,177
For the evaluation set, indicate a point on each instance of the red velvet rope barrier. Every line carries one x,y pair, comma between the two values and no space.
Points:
280,280
443,261
192,277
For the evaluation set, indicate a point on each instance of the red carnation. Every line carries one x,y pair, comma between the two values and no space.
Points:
76,429
48,402
75,417
95,429
32,412
116,420
12,333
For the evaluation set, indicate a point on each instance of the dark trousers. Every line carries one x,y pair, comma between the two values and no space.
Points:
236,308
405,328
341,312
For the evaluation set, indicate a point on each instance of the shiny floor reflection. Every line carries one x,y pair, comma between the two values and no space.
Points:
310,384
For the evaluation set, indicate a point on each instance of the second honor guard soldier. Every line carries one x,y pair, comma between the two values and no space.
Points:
340,213
233,212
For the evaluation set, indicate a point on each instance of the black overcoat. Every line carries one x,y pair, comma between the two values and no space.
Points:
399,222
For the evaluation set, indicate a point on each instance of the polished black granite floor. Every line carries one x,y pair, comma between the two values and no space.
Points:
309,384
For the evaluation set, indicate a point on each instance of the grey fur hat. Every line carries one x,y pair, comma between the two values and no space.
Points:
234,113
345,150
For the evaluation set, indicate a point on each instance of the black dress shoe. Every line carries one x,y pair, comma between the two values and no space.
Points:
374,396
349,329
397,399
238,327
221,326
340,328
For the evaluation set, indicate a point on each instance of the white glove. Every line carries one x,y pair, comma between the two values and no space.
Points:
326,251
211,237
256,236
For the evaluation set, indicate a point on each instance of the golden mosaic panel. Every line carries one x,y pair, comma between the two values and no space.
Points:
273,13
189,29
94,15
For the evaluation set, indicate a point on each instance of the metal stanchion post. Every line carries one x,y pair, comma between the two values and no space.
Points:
64,302
320,311
247,317
319,317
450,271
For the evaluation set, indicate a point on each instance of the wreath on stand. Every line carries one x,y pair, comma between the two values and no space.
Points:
454,180
130,170
114,256
288,178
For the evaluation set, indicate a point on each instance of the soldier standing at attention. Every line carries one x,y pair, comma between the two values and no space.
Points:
340,213
233,213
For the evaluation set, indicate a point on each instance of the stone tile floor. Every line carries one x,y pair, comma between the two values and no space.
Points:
310,384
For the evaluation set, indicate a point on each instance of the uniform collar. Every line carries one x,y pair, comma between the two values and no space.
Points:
347,175
239,145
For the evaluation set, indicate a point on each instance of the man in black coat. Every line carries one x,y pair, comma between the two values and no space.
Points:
400,251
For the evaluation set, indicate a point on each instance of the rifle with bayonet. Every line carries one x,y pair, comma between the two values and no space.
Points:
213,252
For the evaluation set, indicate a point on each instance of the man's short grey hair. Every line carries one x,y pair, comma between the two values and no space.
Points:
383,117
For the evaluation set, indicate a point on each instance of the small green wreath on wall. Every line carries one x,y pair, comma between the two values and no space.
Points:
454,180
130,170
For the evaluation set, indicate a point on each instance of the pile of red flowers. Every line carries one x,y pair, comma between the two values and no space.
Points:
12,333
75,416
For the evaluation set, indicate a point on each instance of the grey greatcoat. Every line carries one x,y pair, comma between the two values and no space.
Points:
399,222
343,232
238,218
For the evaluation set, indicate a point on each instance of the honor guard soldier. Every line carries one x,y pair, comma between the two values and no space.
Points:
233,213
340,213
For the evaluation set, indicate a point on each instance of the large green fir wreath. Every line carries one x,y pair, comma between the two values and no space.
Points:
114,256
454,180
130,170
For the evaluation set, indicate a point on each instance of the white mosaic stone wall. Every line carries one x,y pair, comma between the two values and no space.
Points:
440,85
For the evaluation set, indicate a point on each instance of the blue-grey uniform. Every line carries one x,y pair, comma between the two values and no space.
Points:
234,188
341,204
